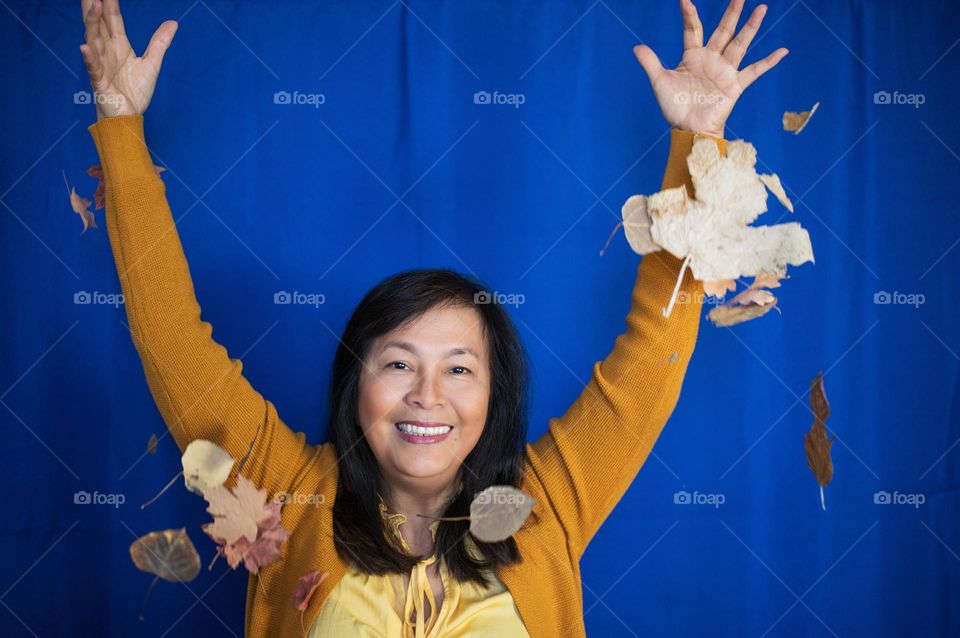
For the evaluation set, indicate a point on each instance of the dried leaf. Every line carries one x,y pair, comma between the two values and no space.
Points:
793,121
712,232
306,585
815,442
726,315
152,444
168,554
498,512
772,182
719,287
205,465
80,205
237,512
98,196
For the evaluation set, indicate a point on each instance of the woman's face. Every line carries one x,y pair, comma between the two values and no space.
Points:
433,377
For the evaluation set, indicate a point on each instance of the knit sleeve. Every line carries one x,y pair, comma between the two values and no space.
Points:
199,389
590,455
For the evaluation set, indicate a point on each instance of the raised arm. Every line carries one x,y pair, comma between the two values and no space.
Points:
590,455
201,392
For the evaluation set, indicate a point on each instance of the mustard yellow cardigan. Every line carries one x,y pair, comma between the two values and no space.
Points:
576,476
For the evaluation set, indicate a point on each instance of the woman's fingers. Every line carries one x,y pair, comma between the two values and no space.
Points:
113,19
91,20
159,43
92,61
758,68
649,61
738,47
692,28
727,27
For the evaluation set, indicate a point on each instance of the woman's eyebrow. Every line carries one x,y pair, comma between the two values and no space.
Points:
406,345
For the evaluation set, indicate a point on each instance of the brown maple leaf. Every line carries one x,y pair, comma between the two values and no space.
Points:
815,442
80,205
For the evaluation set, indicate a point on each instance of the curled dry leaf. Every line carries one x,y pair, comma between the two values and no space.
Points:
167,554
711,232
205,465
816,445
303,592
80,205
498,512
795,122
152,444
748,304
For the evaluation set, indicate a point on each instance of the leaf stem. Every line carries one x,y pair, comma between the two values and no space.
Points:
676,288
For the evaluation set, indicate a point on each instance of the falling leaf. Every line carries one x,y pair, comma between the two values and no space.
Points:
152,444
751,303
303,592
80,205
205,465
245,527
498,512
793,121
711,232
772,182
167,554
237,512
815,442
99,195
719,287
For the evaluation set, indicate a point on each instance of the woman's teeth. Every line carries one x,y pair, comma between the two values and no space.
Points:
417,430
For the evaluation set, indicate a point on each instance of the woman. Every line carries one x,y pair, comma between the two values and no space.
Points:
427,401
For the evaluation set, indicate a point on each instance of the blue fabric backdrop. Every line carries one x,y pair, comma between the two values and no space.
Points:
399,167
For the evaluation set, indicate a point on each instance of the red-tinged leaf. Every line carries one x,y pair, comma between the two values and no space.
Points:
815,442
303,592
99,197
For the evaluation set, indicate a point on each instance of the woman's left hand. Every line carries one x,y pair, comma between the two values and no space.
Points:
700,93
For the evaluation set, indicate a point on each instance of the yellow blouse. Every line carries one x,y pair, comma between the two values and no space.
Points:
369,606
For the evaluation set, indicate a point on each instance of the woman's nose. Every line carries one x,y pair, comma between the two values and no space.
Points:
426,391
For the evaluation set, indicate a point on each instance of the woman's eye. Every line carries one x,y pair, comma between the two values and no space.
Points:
397,363
465,370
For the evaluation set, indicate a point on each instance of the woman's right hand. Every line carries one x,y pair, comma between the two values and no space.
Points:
122,83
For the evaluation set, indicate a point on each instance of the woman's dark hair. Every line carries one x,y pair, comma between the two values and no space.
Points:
498,458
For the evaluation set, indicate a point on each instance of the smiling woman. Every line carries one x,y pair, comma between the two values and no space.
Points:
428,396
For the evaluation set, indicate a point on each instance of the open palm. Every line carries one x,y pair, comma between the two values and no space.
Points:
122,83
700,93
